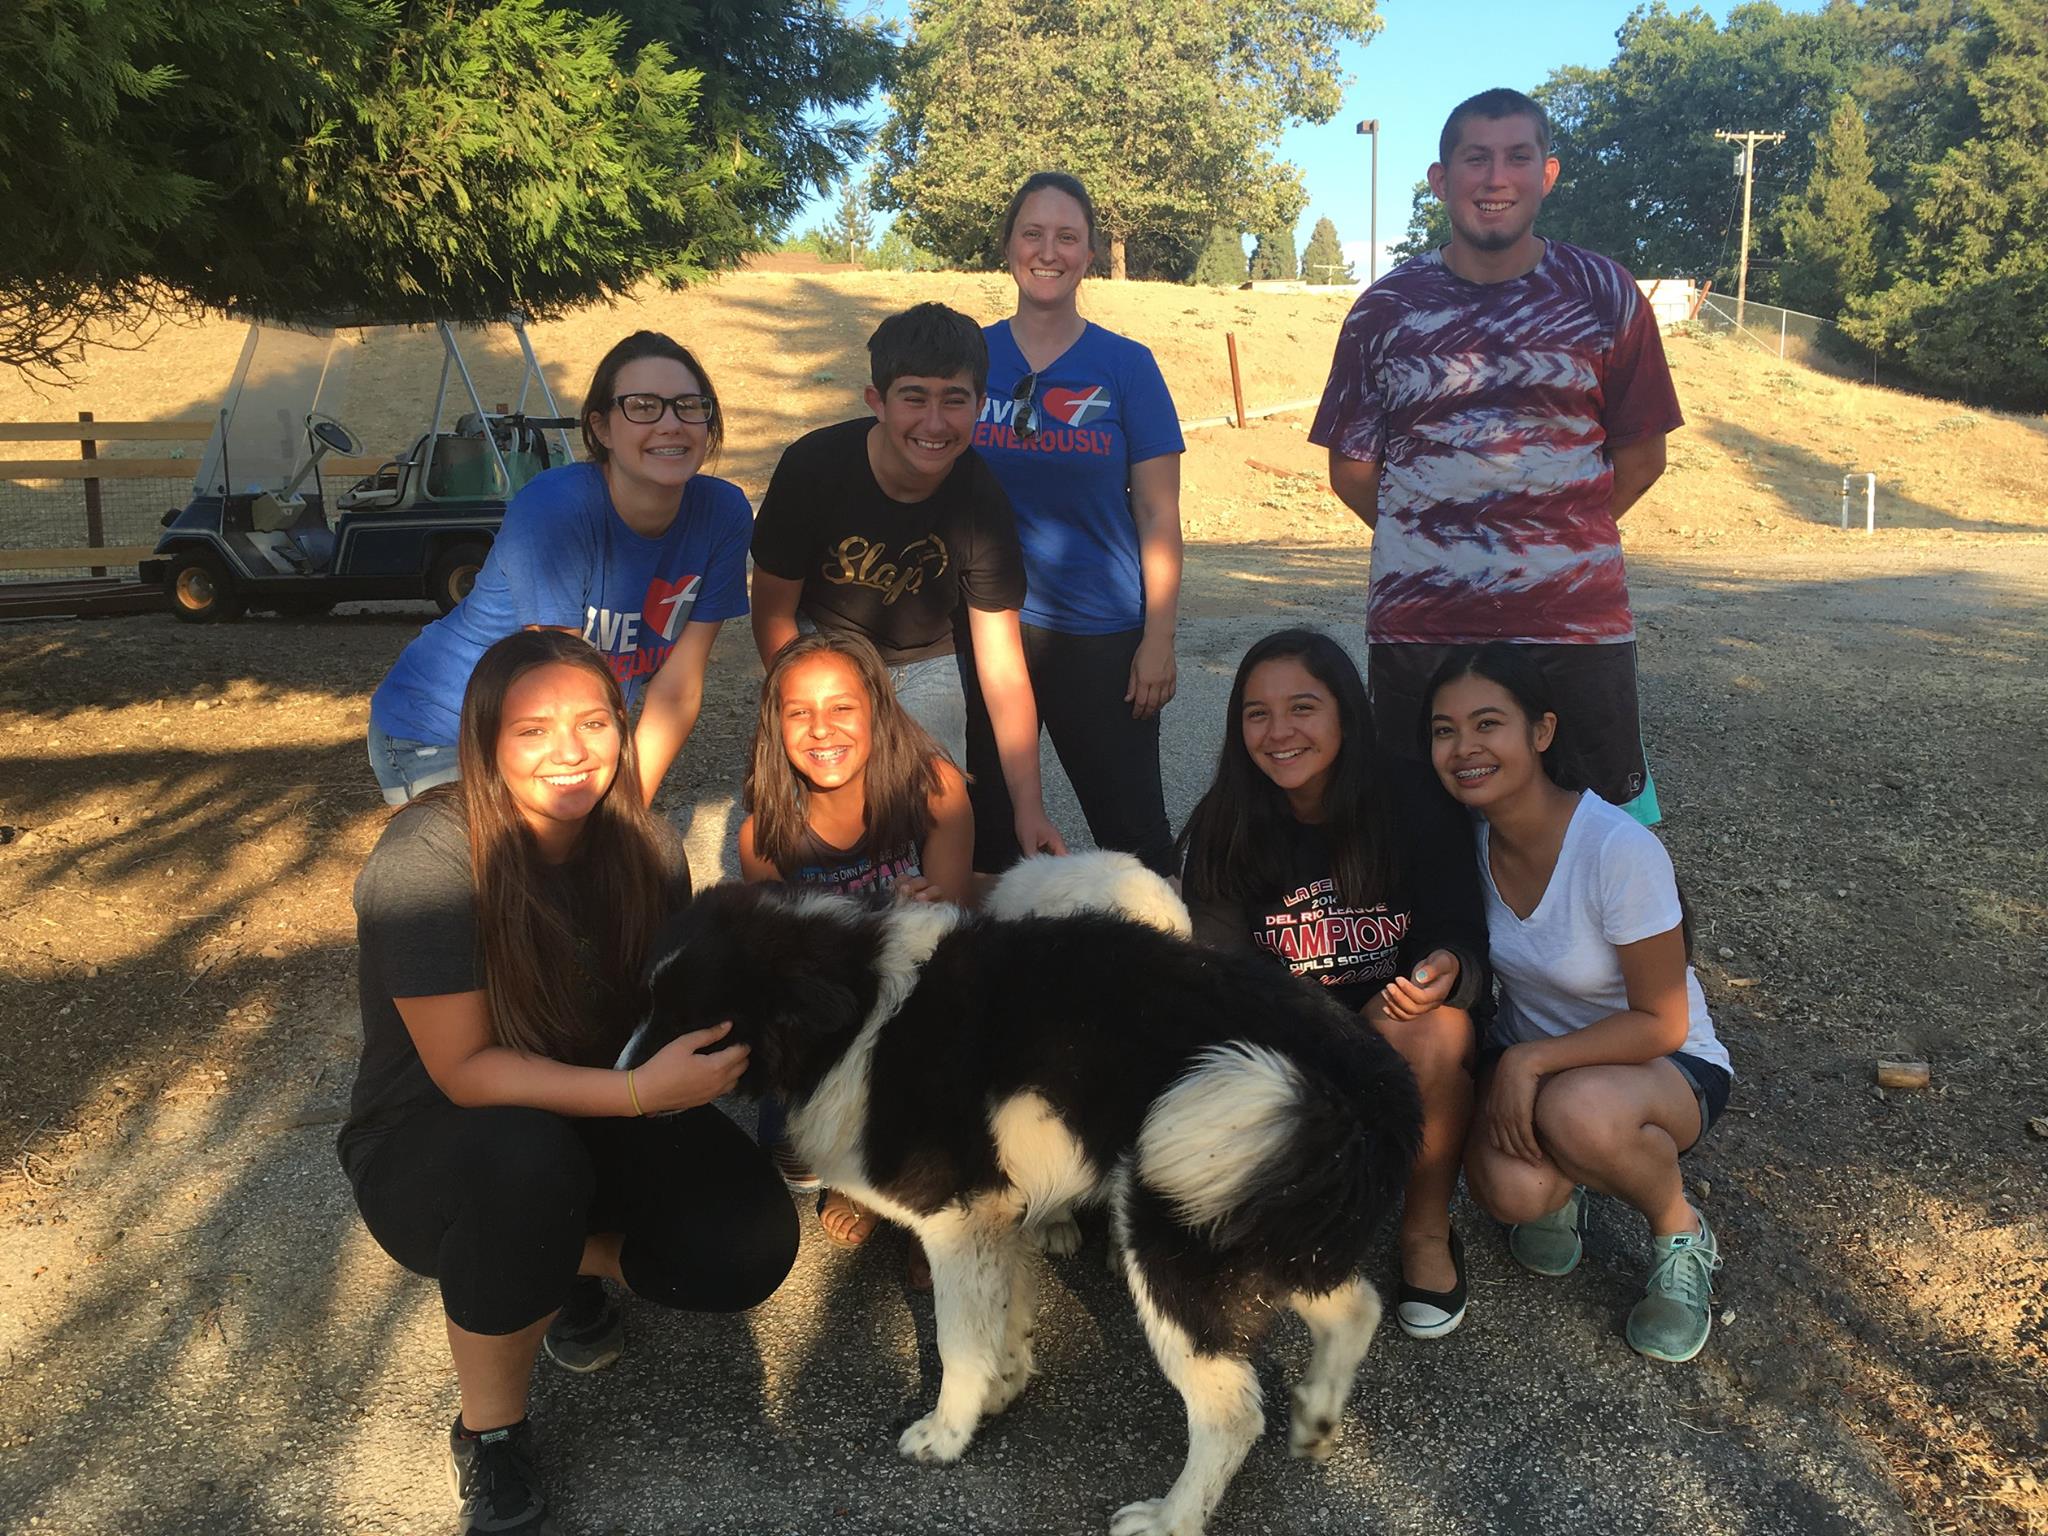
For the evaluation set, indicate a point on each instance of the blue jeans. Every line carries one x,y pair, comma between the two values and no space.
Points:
405,768
930,693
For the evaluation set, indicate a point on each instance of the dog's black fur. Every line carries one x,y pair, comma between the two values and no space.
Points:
1099,1018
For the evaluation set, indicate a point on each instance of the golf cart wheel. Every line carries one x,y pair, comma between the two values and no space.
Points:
454,573
200,589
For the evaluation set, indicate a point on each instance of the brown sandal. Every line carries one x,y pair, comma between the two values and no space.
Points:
844,1220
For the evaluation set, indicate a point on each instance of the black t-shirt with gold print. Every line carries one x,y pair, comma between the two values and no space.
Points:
892,571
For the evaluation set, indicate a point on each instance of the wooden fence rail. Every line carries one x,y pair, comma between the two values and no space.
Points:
90,469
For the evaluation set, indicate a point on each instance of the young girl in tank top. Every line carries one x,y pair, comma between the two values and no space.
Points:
847,793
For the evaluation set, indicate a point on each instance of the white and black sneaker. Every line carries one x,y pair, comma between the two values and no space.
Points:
495,1483
587,1334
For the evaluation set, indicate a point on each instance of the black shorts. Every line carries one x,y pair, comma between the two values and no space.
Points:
1599,742
1709,1081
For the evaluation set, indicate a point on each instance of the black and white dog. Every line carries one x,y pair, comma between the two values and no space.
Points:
973,1077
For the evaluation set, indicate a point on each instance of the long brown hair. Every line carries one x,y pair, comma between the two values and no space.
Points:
526,944
1233,847
900,780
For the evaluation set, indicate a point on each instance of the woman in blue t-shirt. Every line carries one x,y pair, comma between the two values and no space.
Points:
1079,428
635,550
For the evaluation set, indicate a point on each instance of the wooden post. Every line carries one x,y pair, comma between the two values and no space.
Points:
95,527
1236,384
1699,299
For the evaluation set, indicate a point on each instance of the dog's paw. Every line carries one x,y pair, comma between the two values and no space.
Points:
930,1440
1059,1237
1317,1422
1147,1517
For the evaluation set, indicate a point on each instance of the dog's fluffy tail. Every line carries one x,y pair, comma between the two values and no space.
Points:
1253,1152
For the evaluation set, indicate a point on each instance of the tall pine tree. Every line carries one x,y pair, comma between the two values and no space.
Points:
1273,257
1323,261
852,229
1971,312
1830,230
1222,260
390,159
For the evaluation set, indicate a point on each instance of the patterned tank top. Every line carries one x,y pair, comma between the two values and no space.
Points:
820,866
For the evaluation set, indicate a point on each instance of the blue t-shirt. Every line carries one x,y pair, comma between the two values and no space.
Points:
565,559
1102,408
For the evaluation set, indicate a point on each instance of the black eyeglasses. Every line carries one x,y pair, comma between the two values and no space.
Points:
645,410
1023,414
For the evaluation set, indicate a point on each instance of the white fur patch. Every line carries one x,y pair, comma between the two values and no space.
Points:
1097,881
1342,1323
826,1128
1224,1418
1206,1137
1040,1157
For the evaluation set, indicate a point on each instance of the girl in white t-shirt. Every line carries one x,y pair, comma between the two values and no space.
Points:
1603,1065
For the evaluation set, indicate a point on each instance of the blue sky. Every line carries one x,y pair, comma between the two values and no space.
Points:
1428,56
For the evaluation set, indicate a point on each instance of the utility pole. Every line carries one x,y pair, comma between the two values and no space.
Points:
1749,142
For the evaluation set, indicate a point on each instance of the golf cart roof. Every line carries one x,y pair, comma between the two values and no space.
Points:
292,374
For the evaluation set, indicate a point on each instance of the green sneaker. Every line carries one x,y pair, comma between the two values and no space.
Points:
1673,1319
1553,1244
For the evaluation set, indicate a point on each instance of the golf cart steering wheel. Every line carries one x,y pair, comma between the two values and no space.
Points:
334,435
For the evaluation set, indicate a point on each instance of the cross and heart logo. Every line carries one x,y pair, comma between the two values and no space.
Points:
1076,407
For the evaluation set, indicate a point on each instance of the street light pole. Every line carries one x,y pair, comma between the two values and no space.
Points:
1371,126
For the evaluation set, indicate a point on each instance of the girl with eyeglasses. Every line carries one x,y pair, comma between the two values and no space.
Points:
1079,428
635,550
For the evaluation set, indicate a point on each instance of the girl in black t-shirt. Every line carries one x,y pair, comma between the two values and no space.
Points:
504,923
1355,871
847,793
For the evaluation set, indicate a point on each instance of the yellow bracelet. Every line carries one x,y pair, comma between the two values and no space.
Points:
633,1093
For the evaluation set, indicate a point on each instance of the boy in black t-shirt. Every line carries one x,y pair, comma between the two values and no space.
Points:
892,528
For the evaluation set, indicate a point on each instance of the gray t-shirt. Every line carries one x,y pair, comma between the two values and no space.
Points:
416,937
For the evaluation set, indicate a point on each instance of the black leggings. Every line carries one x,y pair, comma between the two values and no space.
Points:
1111,759
496,1203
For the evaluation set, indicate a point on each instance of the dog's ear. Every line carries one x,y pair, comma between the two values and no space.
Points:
815,1003
667,994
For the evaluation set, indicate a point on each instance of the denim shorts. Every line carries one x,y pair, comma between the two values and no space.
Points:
1709,1081
405,768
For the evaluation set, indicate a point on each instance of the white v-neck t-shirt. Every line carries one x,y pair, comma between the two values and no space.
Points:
1558,967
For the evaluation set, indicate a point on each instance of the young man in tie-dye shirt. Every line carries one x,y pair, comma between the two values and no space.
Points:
1494,408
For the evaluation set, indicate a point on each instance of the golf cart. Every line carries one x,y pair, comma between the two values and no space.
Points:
266,529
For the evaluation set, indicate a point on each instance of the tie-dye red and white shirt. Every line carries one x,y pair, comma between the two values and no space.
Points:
1489,406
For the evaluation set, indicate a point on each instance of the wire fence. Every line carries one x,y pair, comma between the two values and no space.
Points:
1791,334
52,515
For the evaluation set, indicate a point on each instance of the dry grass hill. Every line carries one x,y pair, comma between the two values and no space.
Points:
1759,463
